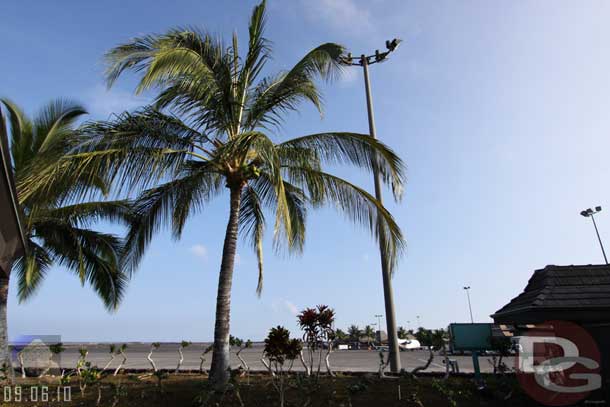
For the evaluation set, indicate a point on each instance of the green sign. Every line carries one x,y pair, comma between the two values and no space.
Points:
470,337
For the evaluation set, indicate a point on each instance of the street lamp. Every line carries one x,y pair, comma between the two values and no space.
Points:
467,289
364,61
588,213
378,316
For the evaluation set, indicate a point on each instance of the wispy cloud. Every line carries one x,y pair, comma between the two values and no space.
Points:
291,307
102,102
200,251
346,16
283,305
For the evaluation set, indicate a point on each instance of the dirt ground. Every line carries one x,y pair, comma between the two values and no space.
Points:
127,390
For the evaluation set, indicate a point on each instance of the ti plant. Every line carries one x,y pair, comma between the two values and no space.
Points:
21,363
279,349
183,345
317,325
55,349
112,352
207,350
153,346
121,352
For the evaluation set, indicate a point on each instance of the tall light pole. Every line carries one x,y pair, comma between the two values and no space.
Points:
589,213
364,61
467,289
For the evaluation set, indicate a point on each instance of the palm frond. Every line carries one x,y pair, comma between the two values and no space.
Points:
342,148
21,130
54,122
31,270
87,213
168,204
355,203
92,255
281,93
252,224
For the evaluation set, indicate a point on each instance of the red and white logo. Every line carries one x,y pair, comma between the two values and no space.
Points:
558,363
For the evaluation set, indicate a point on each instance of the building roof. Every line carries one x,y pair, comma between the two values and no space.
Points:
578,293
12,239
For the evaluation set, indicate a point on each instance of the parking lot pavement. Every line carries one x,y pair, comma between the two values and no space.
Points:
166,357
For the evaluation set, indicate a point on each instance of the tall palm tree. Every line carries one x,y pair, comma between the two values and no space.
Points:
354,333
369,333
208,129
57,225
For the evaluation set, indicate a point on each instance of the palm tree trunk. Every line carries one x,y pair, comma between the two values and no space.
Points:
219,371
5,356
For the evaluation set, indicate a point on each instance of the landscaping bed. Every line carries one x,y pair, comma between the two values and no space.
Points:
132,389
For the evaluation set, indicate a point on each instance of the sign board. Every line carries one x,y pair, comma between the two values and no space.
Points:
470,337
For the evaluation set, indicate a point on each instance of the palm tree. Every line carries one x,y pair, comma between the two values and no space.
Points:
57,226
369,333
354,333
341,336
402,332
207,129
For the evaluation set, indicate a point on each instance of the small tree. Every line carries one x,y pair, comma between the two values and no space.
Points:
207,350
240,344
21,362
153,346
434,340
88,376
82,360
317,325
279,349
502,347
121,352
183,345
55,350
112,351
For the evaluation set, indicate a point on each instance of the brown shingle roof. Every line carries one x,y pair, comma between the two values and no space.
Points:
557,288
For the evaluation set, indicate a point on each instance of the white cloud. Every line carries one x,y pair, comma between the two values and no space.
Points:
102,102
283,305
291,307
343,15
200,251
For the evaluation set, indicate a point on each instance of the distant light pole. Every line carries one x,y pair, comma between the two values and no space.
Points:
408,325
467,289
378,316
364,61
589,213
418,324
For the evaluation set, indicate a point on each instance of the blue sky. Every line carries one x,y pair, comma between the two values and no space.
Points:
498,108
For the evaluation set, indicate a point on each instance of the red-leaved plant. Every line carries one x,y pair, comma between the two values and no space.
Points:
318,332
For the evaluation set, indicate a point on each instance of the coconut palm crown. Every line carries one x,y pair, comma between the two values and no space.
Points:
208,131
57,222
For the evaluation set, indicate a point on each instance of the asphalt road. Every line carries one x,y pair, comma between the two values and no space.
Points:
166,357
